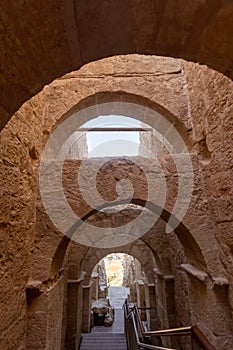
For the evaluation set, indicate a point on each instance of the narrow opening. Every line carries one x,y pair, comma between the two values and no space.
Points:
113,136
114,269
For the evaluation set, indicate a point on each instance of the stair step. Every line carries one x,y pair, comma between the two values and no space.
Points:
104,341
106,338
109,346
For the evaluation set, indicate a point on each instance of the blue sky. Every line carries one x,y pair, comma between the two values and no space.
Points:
112,144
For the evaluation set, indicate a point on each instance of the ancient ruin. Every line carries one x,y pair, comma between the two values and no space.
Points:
166,69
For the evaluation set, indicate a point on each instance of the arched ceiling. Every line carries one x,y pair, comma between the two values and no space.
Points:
137,249
40,42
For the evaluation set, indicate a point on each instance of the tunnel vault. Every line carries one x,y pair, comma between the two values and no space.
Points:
193,260
75,33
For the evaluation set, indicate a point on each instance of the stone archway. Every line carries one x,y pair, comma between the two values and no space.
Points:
23,151
81,33
93,256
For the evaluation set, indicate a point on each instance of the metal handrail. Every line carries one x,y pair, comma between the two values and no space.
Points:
193,331
129,315
139,320
142,345
201,339
170,332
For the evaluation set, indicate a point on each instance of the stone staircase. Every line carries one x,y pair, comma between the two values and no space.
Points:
108,338
104,341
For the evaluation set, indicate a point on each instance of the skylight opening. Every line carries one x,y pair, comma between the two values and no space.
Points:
112,136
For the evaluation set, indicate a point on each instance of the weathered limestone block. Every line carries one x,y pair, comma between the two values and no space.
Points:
103,307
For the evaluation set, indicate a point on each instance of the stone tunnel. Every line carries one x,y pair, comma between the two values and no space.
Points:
166,66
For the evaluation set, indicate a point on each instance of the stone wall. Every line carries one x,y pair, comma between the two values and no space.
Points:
45,308
151,141
198,103
77,148
158,80
211,96
33,55
19,155
129,277
177,299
